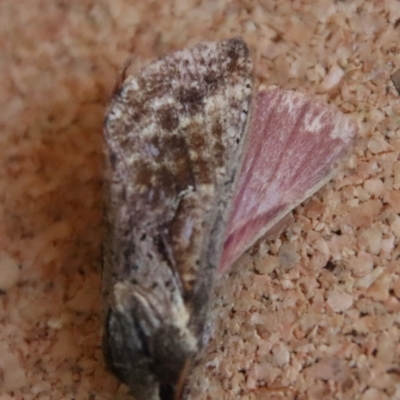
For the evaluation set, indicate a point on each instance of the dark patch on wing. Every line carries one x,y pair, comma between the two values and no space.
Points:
191,99
236,51
168,118
213,82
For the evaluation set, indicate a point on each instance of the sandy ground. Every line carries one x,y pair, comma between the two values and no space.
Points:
312,313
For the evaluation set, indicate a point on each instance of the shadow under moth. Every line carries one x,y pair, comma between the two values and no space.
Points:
199,165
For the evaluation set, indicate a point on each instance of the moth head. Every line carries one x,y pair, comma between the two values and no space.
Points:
144,348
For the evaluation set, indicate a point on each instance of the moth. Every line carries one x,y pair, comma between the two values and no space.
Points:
198,166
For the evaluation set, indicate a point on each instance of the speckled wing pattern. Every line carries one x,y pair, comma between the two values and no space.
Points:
295,145
174,135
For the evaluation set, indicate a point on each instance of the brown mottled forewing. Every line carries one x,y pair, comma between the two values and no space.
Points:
175,136
295,146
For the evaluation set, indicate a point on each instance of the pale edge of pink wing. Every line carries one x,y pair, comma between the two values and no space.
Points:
295,146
